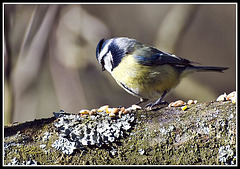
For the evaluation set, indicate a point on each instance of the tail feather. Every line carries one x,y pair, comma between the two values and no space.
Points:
190,69
210,68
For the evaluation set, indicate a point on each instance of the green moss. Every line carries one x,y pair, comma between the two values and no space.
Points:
168,136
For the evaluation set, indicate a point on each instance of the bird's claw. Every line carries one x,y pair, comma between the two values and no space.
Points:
149,106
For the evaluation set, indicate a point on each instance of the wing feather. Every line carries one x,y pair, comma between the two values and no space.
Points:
150,56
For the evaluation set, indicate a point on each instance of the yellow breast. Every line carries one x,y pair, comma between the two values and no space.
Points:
144,81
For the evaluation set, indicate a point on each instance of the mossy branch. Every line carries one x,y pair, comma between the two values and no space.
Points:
203,134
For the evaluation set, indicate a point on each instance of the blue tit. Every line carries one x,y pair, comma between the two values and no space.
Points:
144,71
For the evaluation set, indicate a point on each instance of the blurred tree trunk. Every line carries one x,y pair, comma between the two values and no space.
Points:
48,51
33,51
25,64
174,26
63,62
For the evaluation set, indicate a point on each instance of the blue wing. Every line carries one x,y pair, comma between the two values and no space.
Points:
150,56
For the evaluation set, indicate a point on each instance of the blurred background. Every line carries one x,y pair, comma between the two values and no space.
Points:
50,62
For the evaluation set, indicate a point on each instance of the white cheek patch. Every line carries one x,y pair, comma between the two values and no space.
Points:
108,62
105,49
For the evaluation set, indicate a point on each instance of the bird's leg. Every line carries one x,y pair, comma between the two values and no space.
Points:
158,102
142,100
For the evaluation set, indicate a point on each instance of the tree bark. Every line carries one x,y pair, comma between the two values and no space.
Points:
203,134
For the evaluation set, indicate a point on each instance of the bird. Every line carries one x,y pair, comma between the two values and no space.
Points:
143,70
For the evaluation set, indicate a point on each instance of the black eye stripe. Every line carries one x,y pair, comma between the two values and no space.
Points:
100,45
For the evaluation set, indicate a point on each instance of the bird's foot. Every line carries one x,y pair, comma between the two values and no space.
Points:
151,105
158,102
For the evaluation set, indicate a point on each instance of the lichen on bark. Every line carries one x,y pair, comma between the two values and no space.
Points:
203,134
